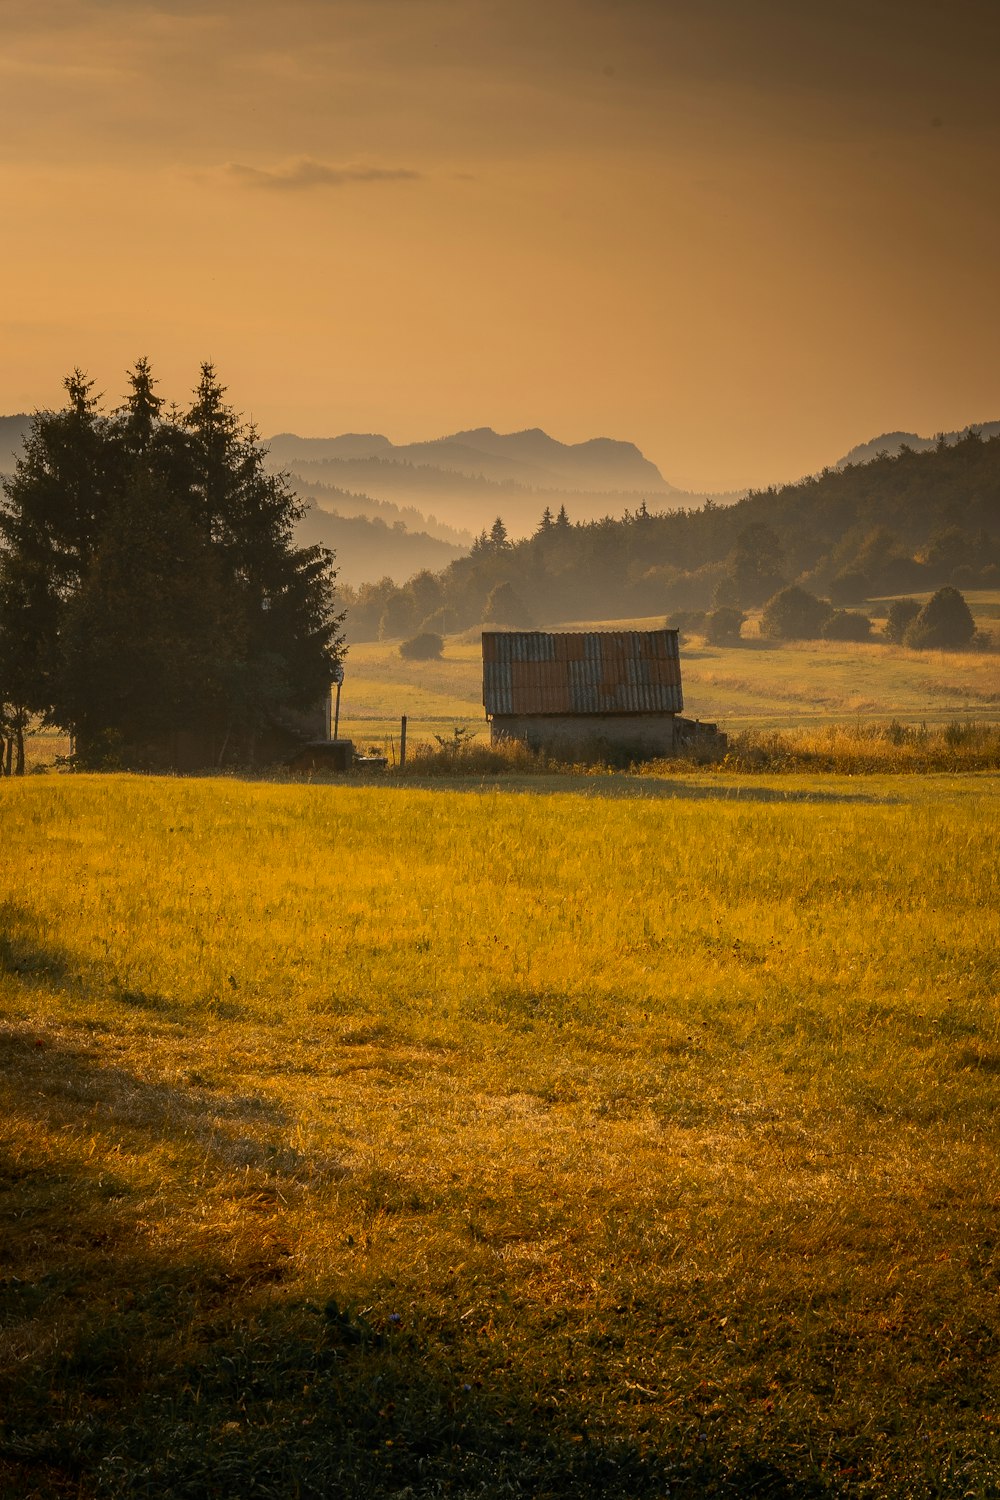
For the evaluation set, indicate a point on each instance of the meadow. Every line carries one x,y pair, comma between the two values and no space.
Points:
756,684
601,1136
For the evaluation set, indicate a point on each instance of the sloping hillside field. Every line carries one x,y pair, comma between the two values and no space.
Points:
406,1141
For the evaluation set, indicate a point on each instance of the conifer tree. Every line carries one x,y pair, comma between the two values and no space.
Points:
498,535
149,578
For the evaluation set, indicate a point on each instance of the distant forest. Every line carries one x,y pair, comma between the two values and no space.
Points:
900,523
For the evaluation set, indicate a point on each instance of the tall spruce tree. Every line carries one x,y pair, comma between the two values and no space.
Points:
149,578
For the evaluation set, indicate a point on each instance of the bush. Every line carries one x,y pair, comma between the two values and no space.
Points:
423,647
902,613
850,587
794,615
945,622
723,626
844,625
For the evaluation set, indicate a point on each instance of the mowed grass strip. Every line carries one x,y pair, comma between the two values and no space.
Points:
404,1140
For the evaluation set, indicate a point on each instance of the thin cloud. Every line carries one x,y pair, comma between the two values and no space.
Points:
305,174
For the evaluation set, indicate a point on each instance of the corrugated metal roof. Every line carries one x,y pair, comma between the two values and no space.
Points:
586,672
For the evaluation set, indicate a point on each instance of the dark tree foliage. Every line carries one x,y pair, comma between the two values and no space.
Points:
427,646
756,566
902,613
506,607
794,615
149,581
145,645
944,623
852,586
723,625
845,625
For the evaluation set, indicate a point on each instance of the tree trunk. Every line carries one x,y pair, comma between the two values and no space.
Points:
19,765
8,758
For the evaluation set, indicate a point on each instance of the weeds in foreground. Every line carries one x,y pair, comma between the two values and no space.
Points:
861,747
462,754
841,749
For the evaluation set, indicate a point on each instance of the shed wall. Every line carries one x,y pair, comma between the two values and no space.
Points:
650,734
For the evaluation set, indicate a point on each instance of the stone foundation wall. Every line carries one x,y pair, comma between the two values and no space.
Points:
583,734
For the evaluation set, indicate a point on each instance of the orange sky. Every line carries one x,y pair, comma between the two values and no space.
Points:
744,234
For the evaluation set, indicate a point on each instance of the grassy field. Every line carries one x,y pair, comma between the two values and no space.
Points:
633,1138
803,684
798,684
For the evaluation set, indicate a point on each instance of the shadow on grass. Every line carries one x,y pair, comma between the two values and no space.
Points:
126,1371
620,787
27,954
201,1370
60,1081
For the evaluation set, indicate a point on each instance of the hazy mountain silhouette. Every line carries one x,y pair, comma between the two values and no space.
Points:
467,478
367,548
894,442
530,458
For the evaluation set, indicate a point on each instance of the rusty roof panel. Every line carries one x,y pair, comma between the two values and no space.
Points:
582,672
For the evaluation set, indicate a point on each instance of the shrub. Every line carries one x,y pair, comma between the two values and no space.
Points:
723,625
944,622
423,647
793,614
850,587
844,625
902,613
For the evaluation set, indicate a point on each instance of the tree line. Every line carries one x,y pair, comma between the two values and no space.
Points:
906,523
149,579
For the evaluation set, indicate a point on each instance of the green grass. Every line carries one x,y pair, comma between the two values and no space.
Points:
628,1138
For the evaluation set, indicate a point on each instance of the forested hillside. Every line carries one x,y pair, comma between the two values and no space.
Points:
366,544
900,523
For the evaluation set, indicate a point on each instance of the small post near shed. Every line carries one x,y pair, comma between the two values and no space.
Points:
402,742
330,753
338,677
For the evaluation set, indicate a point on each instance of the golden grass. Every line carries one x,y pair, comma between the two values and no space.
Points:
630,1137
859,747
753,685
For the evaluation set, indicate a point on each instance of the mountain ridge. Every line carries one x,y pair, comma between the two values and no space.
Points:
893,443
530,457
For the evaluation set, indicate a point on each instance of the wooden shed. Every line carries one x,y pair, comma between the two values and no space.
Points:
618,690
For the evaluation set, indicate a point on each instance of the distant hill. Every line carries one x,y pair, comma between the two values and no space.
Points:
468,478
367,548
353,503
893,443
530,458
897,525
